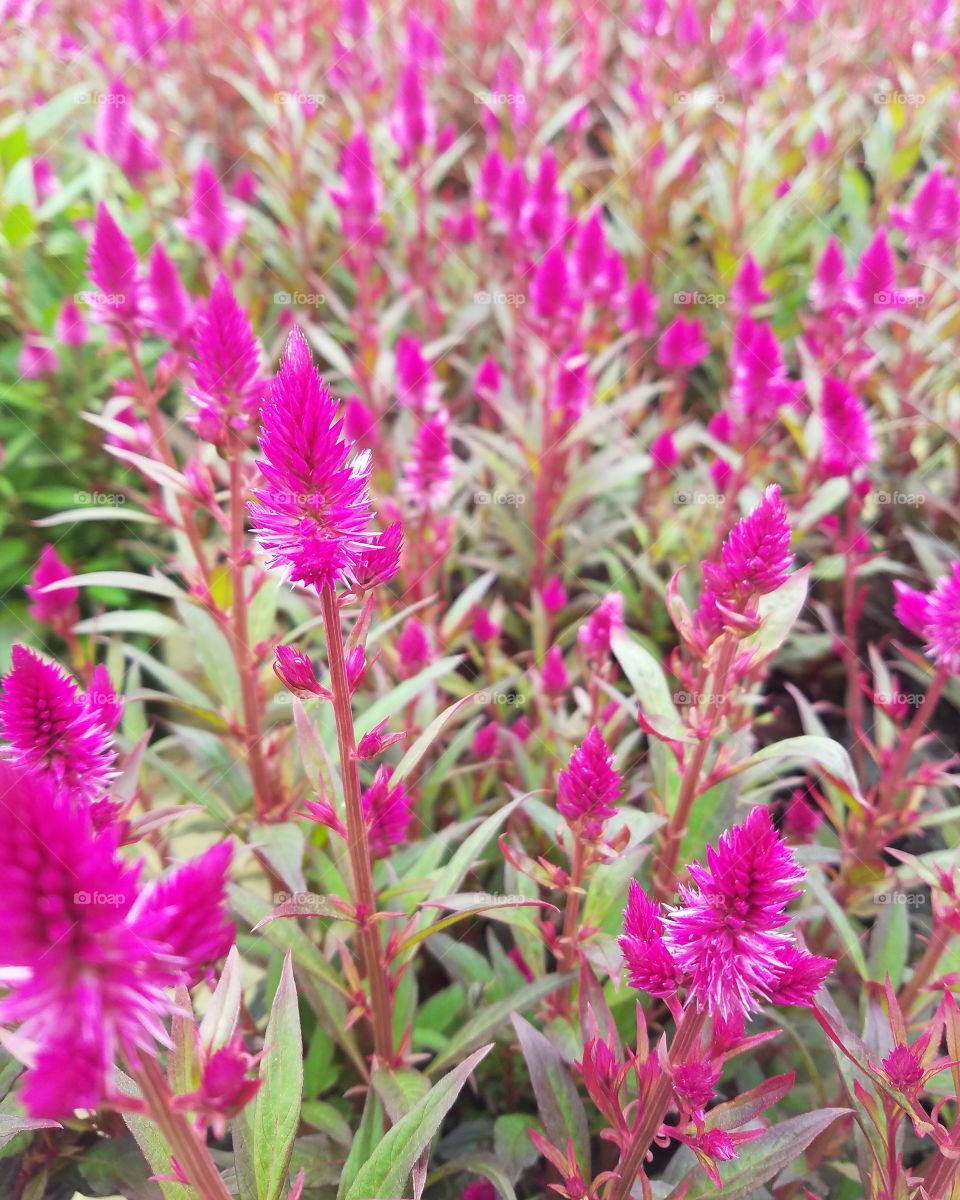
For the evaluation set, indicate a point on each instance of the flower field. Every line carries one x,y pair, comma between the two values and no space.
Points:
480,600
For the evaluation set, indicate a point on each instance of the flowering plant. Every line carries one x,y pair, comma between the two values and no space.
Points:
481,601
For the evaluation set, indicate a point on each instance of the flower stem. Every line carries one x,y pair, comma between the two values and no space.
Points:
357,846
665,870
923,971
240,635
893,776
656,1107
190,1152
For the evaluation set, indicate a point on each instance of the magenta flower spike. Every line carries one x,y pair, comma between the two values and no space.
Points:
211,223
49,607
95,954
313,515
168,309
934,616
226,367
53,728
848,444
682,346
428,472
71,327
755,558
115,270
589,786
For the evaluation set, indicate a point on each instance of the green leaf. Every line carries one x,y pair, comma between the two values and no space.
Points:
384,1175
889,942
220,1019
153,585
11,1125
277,1106
364,1140
826,754
490,1021
403,693
400,1090
758,1161
649,683
512,1144
411,760
558,1100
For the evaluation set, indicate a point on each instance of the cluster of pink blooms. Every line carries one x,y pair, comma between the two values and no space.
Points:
935,617
722,943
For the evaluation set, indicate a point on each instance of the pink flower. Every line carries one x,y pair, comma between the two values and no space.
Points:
210,222
361,196
694,1083
589,252
224,1091
53,728
388,813
800,819
546,205
297,673
416,386
650,965
554,594
603,622
413,646
226,370
483,628
486,382
550,288
553,674
37,357
760,382
49,607
95,956
314,514
932,218
682,346
829,288
756,557
588,787
663,451
934,617
486,741
116,137
413,121
848,445
873,287
381,561
71,327
722,937
168,309
747,291
573,388
759,58
115,270
640,316
428,472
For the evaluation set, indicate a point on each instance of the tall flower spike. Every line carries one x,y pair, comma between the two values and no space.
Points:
114,269
428,472
53,728
210,223
48,607
388,813
848,445
756,557
588,787
941,625
227,387
168,308
313,517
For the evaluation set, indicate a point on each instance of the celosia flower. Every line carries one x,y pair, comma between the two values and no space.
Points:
545,207
873,287
71,326
759,58
210,222
413,646
589,786
572,389
116,137
387,811
224,1091
934,617
314,515
848,445
486,741
553,674
760,382
800,819
37,357
416,385
91,958
904,1070
747,291
694,1083
650,965
682,346
640,316
723,936
486,382
550,286
361,197
482,627
413,120
553,594
114,268
50,607
53,728
381,561
755,558
589,252
226,367
376,741
932,218
168,310
829,288
428,472
296,672
663,451
601,625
